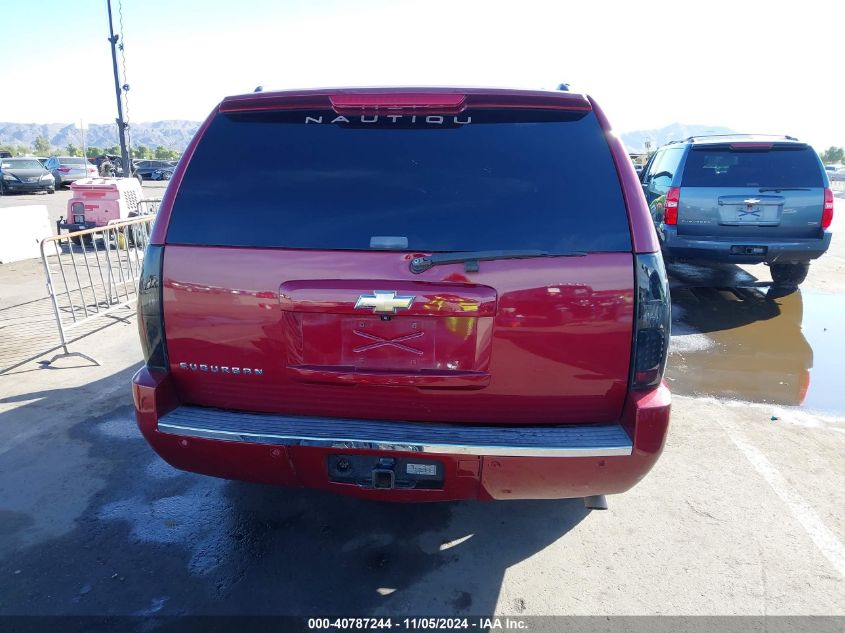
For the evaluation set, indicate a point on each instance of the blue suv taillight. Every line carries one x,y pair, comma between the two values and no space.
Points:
150,316
652,322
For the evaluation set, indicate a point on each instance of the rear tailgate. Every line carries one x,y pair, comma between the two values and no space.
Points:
287,286
755,190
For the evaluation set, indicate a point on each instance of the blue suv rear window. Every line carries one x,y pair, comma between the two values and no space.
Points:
484,180
776,167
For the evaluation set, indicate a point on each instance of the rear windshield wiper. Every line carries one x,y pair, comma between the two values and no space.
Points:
471,258
764,189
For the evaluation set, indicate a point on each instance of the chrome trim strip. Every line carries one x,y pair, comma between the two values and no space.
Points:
605,440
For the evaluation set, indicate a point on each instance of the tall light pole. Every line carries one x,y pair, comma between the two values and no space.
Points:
121,124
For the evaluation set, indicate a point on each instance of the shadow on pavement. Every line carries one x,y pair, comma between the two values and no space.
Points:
710,274
38,336
93,522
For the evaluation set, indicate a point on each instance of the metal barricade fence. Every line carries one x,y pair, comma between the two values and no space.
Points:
93,272
148,206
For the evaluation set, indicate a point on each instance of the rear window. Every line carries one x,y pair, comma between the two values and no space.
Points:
480,181
723,167
72,160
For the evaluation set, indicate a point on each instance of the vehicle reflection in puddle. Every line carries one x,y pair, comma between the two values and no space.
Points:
750,343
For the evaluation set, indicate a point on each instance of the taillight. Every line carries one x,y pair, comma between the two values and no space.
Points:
755,146
398,104
652,322
827,210
150,316
670,208
64,170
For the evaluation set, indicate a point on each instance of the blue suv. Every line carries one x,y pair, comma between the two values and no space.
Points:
746,199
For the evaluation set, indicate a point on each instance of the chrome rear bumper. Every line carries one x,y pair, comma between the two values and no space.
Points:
602,440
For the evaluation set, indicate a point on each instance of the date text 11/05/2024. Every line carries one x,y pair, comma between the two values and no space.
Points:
415,624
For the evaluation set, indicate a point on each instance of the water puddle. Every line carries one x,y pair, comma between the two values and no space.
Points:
747,343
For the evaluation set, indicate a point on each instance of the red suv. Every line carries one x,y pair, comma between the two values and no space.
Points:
409,295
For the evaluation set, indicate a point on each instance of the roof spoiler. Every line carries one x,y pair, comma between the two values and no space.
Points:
373,101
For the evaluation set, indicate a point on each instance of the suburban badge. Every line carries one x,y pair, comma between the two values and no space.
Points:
222,369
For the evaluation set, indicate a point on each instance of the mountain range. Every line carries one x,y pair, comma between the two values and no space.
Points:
636,141
172,134
176,134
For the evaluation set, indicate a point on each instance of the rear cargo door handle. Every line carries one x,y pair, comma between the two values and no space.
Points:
361,296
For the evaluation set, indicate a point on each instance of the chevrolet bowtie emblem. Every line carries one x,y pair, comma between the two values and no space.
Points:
384,302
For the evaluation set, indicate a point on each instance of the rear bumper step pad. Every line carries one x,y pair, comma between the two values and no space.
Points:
602,440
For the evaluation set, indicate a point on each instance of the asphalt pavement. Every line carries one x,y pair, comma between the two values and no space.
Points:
57,203
741,516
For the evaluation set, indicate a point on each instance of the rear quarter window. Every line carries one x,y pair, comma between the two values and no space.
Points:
482,181
778,167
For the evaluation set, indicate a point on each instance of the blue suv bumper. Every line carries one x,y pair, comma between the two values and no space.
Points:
739,249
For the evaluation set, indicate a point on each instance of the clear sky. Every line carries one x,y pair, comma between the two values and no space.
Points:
748,65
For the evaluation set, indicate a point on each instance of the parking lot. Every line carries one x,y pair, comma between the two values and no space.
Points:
741,516
57,203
